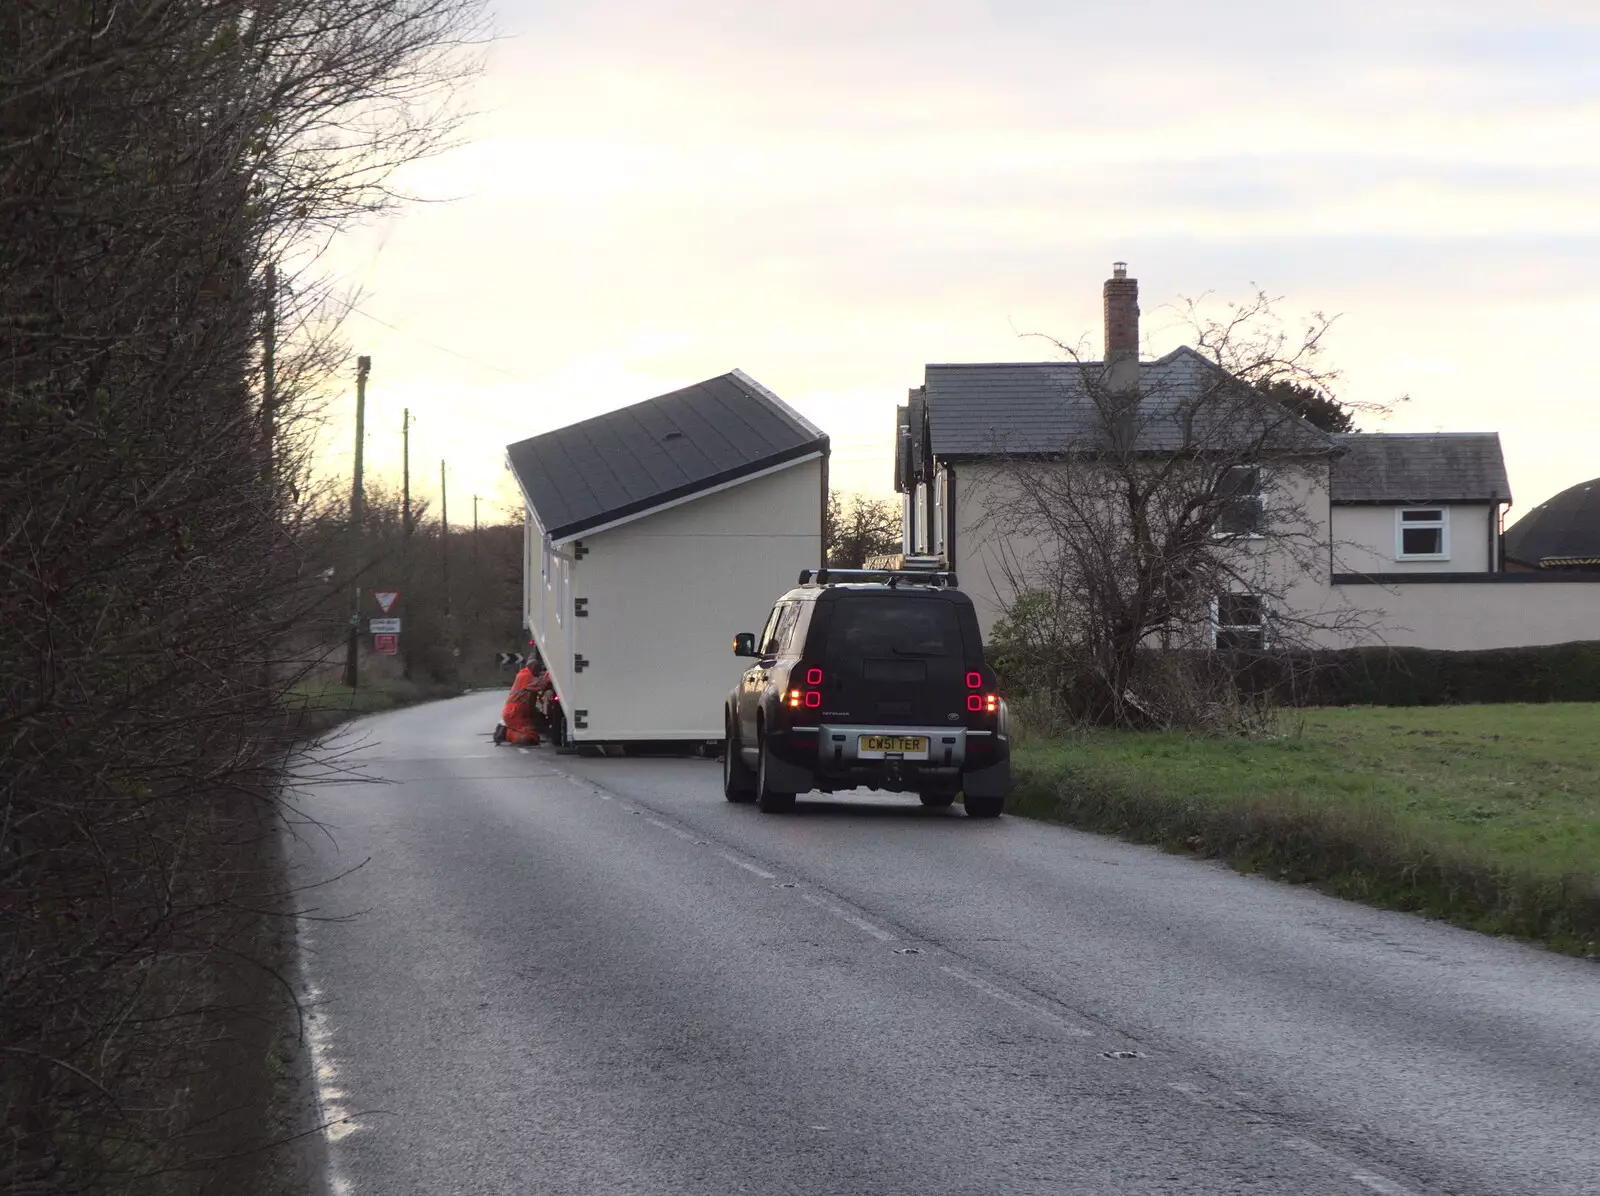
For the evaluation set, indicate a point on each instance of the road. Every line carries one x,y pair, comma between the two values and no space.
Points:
543,974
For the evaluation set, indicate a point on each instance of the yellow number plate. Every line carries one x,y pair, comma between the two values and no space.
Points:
900,745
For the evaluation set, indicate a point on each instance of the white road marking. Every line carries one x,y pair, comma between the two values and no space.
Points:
1001,995
1368,1180
844,915
333,1118
670,829
738,863
523,750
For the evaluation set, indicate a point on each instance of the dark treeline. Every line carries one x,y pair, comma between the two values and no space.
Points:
160,574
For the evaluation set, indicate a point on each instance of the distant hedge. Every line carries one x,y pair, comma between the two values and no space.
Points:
1428,677
1398,676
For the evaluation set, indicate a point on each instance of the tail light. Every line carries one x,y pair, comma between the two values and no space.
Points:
974,681
813,676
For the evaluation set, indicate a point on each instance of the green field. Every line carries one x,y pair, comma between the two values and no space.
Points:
1487,815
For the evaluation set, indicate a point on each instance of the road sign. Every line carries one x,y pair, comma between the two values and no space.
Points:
386,645
519,659
384,626
386,599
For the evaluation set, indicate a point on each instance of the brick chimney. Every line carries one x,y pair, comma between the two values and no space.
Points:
1122,330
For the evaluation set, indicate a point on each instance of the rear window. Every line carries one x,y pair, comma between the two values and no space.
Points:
894,626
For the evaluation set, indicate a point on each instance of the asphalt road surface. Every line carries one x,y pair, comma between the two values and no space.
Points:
541,974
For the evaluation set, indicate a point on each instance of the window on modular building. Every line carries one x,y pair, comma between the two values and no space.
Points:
1422,533
1241,623
1239,487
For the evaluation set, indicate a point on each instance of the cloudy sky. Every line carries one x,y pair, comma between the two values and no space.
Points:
829,194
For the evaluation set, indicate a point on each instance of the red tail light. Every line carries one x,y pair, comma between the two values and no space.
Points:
974,702
974,680
813,699
813,676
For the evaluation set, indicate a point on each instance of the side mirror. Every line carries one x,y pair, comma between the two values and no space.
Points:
744,644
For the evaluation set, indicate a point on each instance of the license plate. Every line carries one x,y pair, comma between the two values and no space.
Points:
878,746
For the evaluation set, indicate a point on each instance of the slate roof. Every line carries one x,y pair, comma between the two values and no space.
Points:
979,410
1563,528
1395,467
637,458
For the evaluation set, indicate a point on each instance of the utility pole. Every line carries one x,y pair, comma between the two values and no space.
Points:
269,374
405,526
444,536
405,477
352,673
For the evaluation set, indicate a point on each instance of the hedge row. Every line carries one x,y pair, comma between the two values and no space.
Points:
1428,677
1383,676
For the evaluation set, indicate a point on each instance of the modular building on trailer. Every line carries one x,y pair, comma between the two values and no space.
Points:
653,534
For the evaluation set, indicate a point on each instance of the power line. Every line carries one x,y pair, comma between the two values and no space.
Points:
452,352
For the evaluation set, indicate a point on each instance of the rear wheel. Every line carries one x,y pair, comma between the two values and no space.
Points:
770,801
937,800
738,782
983,807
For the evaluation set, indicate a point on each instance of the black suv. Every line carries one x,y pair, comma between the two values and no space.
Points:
868,677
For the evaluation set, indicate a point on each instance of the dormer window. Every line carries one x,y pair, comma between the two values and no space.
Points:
1422,534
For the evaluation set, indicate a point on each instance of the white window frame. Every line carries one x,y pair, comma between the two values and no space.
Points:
1264,626
1259,495
1442,523
941,497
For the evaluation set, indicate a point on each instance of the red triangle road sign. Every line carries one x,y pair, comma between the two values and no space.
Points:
386,599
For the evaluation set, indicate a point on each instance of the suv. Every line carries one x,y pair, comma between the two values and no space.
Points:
868,677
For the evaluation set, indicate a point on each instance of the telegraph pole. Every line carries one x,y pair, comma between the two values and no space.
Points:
405,477
444,536
352,672
269,374
405,526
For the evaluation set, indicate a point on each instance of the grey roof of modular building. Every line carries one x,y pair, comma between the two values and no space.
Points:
1186,402
1387,467
1565,527
635,459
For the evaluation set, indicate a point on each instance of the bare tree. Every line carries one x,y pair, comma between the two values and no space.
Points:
1182,513
859,528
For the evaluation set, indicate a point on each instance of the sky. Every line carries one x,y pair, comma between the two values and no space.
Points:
830,194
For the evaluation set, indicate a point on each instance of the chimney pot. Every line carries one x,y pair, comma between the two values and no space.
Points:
1119,269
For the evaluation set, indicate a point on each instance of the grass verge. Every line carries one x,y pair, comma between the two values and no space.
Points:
321,705
1486,816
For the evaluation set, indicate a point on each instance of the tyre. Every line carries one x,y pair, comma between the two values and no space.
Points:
937,801
770,800
984,807
500,733
738,782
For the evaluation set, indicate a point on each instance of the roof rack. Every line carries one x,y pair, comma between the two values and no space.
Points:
920,576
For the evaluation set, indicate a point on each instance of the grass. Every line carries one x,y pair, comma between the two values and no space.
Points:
323,704
1488,816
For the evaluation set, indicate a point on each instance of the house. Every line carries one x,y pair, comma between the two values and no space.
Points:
1561,533
1408,503
655,532
1406,528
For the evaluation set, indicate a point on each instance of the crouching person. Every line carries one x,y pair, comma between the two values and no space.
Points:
516,716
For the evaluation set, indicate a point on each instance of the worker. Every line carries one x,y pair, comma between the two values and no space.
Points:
516,716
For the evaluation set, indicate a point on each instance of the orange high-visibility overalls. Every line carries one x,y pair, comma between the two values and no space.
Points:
517,713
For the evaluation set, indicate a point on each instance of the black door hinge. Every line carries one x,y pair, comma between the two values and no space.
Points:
580,719
580,608
579,663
